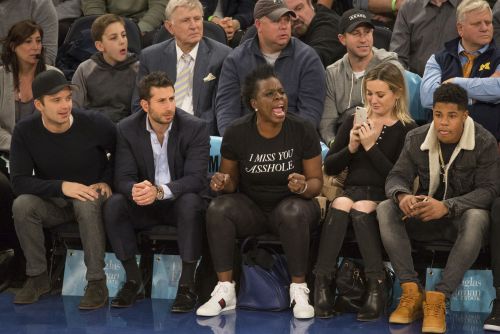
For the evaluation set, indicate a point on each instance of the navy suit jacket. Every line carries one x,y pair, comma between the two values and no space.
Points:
209,59
188,152
241,10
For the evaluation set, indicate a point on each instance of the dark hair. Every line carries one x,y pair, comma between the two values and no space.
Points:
250,86
451,93
153,79
101,23
16,36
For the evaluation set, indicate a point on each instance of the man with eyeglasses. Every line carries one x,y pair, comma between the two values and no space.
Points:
297,65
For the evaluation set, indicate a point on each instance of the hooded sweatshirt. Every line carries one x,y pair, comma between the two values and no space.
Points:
104,87
344,91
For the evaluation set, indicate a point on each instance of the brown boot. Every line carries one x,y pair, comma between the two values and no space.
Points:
434,312
410,305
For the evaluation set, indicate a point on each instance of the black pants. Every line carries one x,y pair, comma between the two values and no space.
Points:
122,217
495,242
8,237
234,216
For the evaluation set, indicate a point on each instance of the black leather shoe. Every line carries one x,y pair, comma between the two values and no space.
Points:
185,301
376,300
323,296
128,294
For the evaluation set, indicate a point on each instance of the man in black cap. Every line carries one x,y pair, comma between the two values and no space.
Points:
344,77
61,172
297,65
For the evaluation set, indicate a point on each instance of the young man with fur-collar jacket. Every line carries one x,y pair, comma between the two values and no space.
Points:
457,163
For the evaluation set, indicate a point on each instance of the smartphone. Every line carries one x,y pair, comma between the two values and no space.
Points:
361,115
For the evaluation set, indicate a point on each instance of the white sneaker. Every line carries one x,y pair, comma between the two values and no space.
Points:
299,299
223,299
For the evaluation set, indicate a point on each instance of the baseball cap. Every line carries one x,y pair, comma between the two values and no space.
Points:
273,9
353,18
48,83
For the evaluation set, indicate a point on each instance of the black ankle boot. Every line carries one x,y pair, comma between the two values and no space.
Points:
375,302
324,296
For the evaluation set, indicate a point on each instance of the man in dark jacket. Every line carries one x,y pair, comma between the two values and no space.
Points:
317,27
161,165
456,161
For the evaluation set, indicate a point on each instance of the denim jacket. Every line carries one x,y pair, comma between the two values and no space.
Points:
472,179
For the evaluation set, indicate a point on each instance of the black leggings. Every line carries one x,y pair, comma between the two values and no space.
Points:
234,216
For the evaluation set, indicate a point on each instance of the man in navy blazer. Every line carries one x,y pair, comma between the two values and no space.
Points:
185,23
162,156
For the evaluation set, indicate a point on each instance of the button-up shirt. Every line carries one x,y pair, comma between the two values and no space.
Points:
482,89
162,171
421,29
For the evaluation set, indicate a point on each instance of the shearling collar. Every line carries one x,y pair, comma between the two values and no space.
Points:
431,142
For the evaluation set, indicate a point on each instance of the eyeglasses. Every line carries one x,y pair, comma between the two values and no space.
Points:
278,2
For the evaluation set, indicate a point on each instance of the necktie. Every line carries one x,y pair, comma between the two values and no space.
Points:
182,84
467,67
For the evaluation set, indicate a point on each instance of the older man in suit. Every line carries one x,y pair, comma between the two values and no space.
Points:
193,62
161,165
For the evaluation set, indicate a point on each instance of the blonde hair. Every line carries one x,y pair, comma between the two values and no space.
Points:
393,77
467,6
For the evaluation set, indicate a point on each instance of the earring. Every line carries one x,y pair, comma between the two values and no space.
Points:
256,109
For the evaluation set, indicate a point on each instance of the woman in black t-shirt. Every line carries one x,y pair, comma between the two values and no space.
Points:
367,148
270,171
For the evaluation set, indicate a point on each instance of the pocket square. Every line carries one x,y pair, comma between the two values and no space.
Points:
209,77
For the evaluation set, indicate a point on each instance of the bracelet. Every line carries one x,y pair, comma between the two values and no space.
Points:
393,6
303,190
210,18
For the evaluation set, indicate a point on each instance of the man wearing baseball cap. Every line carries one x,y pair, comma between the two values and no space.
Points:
61,173
297,65
344,77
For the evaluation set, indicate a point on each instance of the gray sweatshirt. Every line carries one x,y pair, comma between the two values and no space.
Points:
104,87
344,91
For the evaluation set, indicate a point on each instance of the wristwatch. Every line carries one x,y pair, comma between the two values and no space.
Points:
159,192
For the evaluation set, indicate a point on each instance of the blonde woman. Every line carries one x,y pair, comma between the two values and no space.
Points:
368,148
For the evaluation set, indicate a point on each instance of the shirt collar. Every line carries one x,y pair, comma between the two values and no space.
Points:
476,53
150,129
192,53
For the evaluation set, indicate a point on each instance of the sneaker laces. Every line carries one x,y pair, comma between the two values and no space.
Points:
220,289
300,294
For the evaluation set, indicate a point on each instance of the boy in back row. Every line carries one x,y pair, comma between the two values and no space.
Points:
106,81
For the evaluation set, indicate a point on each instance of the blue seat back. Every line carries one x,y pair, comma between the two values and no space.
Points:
418,113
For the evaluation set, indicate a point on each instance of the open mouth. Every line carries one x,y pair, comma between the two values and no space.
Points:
279,111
